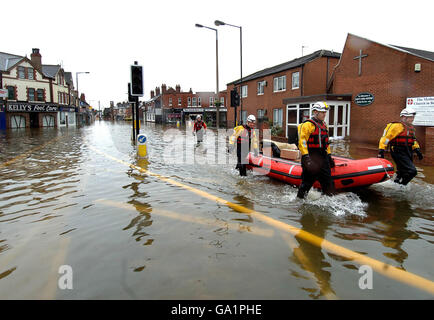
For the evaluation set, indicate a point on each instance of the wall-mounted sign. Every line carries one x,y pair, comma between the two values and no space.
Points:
3,93
27,107
424,107
364,99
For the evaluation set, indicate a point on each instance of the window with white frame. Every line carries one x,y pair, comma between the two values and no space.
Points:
280,84
295,80
194,101
170,102
199,101
222,101
179,102
277,117
211,101
261,86
260,113
244,91
189,101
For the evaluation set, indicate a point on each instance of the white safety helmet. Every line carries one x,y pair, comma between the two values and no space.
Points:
408,112
320,106
198,117
251,118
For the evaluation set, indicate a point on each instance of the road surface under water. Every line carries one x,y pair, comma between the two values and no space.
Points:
69,197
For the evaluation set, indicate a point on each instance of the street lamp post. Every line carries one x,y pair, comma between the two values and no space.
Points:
217,72
76,78
221,23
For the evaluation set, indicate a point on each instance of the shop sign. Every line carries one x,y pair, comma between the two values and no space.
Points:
3,93
23,107
424,107
364,99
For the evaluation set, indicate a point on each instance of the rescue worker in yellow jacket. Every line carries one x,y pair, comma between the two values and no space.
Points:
401,138
316,160
246,139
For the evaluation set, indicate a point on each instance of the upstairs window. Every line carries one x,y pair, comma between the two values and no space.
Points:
31,94
280,84
211,101
194,101
170,102
21,72
261,86
11,93
179,102
30,73
199,101
244,91
189,101
295,80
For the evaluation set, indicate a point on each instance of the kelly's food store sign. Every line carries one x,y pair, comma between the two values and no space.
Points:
31,108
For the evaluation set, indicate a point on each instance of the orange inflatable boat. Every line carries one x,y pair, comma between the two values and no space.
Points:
348,173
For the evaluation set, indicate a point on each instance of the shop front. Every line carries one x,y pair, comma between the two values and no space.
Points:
209,115
30,115
67,116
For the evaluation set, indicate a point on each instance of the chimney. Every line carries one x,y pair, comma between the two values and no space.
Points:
36,58
152,93
178,88
163,88
157,91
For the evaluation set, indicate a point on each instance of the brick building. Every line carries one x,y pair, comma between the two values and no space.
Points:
387,75
264,93
171,105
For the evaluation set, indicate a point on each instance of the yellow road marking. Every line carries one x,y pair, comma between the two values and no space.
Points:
189,218
26,154
381,267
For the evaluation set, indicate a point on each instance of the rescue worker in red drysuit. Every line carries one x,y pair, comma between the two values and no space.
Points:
316,160
246,139
401,138
199,129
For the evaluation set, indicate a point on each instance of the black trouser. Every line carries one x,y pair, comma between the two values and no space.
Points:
321,173
241,159
405,169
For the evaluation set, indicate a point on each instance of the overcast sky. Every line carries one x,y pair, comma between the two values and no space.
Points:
106,37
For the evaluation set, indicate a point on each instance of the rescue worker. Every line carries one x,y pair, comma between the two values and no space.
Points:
401,138
199,129
246,139
316,160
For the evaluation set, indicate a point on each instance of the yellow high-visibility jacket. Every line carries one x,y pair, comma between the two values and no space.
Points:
304,131
392,130
238,131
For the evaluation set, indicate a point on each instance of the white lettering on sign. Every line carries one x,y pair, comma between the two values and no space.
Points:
424,107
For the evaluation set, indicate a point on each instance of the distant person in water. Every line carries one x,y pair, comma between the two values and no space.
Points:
199,129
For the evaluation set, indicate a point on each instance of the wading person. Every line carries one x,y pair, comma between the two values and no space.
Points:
401,138
199,129
316,160
245,138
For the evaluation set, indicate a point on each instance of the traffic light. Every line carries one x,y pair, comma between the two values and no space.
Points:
235,98
136,81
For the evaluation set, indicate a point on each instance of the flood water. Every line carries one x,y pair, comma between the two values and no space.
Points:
68,197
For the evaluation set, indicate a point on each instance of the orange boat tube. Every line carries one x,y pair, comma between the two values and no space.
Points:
348,173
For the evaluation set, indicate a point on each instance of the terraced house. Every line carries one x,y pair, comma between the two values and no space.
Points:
36,95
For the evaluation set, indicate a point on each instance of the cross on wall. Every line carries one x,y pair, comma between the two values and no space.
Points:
360,56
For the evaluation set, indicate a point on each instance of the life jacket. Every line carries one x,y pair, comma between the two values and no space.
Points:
319,139
245,136
406,138
198,125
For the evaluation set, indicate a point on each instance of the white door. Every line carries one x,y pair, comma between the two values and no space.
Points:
338,120
18,122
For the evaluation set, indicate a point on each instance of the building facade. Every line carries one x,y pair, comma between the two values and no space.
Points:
263,93
170,105
379,79
38,95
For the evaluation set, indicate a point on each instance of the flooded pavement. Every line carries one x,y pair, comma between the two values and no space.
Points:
179,226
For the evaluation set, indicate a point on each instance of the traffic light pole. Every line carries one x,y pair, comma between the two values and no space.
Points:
137,117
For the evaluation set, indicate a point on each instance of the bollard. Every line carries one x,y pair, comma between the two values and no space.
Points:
141,145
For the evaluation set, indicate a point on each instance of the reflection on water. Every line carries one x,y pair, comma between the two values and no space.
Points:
130,235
